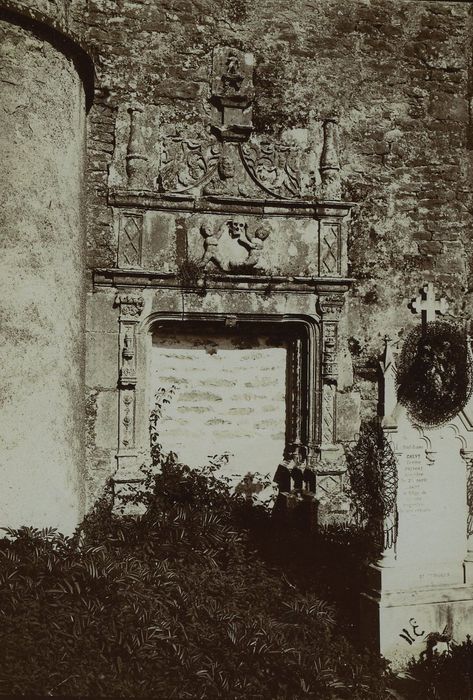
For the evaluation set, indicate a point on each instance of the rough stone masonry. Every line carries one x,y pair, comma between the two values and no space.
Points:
395,78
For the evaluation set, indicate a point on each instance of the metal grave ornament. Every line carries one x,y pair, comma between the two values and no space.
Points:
434,373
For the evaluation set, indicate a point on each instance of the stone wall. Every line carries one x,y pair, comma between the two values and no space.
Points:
42,296
397,72
398,75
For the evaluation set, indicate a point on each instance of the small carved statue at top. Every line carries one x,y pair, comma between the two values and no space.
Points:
232,78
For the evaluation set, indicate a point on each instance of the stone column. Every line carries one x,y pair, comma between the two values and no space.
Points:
42,281
468,459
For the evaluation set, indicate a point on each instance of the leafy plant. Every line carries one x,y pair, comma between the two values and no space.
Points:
174,602
441,676
190,273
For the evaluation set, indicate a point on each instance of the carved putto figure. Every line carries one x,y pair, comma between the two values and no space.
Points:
233,246
255,243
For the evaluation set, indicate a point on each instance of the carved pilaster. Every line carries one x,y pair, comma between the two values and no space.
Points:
467,456
330,306
130,306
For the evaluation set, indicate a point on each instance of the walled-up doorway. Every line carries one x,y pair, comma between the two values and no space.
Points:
235,389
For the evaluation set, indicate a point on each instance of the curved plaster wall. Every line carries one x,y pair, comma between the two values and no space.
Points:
42,135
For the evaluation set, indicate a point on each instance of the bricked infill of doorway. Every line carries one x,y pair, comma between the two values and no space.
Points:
227,397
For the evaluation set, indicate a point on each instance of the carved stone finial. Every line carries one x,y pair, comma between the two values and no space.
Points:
388,361
427,305
136,160
329,162
388,397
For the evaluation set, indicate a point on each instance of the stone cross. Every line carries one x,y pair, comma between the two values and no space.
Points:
427,305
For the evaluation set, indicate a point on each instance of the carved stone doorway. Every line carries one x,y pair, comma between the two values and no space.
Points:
240,388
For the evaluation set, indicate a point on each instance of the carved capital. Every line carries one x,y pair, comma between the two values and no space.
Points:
331,306
130,305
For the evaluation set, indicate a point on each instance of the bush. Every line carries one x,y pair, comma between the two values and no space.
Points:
169,603
442,677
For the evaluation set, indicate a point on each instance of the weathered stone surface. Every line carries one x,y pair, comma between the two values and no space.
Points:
348,416
102,360
41,283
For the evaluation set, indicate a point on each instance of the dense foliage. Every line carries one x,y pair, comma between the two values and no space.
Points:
197,594
441,676
435,378
169,603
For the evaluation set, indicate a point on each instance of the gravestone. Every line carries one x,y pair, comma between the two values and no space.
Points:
419,595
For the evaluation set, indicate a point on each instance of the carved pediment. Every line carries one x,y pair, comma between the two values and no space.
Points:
224,158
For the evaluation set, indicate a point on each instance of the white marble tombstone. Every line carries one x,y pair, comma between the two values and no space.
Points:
420,592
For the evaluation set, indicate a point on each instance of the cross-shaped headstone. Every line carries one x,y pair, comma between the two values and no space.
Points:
427,305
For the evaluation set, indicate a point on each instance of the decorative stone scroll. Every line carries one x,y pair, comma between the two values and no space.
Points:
130,306
228,159
274,167
186,163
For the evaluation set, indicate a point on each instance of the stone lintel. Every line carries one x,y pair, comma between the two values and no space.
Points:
149,199
114,277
